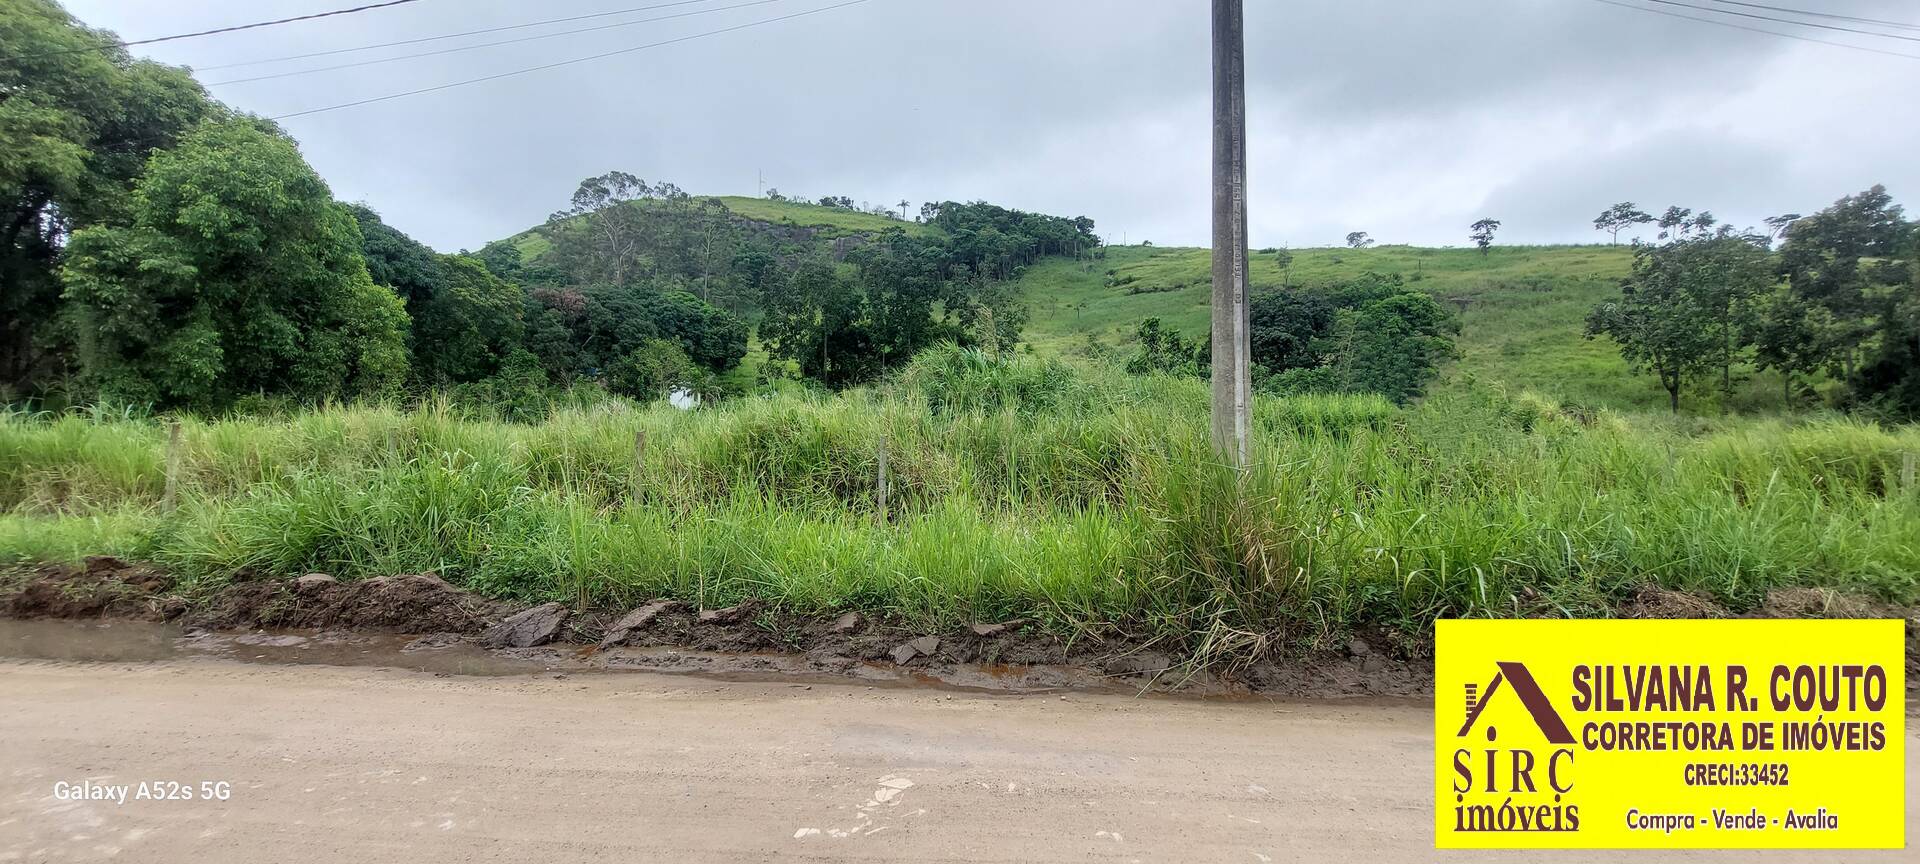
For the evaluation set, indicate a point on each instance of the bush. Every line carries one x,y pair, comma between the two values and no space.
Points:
955,380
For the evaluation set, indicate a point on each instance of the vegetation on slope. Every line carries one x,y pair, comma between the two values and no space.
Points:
1522,309
832,222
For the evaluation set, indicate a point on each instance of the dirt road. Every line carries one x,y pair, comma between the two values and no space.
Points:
354,764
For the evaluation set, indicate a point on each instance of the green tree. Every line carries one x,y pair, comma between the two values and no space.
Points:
654,369
1482,235
468,327
1726,275
1891,377
1285,328
77,122
1848,262
1662,319
1789,335
893,298
600,237
1778,226
1164,351
465,319
237,273
1620,217
1392,346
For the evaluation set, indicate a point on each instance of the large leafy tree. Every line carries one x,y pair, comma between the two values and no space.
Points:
1847,266
892,298
593,332
78,119
465,319
599,236
1392,346
1285,326
1677,312
1728,276
815,316
1891,377
234,273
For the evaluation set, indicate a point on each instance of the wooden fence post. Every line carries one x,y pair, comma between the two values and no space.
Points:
171,494
1906,473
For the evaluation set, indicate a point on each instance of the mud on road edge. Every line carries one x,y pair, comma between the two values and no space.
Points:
1008,655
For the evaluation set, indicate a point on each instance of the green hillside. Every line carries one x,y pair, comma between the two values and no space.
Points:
1523,309
830,221
826,222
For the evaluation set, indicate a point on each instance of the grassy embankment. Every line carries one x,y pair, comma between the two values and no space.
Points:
1523,311
1084,500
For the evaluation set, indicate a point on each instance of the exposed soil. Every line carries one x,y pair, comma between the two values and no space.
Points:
1654,602
671,636
678,638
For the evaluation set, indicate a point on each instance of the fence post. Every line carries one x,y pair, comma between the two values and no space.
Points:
639,459
883,478
170,495
1906,472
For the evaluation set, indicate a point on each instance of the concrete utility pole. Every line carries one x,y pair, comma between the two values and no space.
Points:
1232,369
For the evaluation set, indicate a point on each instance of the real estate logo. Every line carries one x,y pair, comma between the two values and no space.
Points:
1528,766
1669,734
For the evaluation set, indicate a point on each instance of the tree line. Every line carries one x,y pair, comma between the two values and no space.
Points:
838,312
1832,297
164,250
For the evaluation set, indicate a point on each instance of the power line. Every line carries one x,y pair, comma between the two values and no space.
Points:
1793,36
530,69
423,39
218,30
1829,15
298,72
1833,27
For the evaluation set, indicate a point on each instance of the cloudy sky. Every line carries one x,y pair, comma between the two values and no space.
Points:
1402,118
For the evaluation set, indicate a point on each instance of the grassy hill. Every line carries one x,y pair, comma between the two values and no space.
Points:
1523,309
827,223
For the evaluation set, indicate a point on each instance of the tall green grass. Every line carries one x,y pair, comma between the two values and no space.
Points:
1089,501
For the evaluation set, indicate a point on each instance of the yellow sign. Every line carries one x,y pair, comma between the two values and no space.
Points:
1670,734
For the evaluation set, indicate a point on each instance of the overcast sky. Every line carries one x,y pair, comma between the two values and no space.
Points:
1402,118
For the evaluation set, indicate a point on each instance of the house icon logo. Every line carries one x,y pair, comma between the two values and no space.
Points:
1521,682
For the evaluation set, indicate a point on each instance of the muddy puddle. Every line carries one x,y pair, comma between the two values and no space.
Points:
121,641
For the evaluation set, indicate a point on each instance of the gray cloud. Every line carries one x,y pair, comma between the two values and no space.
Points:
1408,120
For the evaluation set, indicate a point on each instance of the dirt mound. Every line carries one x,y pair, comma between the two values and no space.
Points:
102,587
409,603
110,588
1822,603
1653,601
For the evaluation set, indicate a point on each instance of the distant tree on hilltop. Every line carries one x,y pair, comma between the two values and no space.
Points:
1482,235
1621,217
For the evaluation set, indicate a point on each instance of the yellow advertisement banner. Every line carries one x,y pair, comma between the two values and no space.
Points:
1670,734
